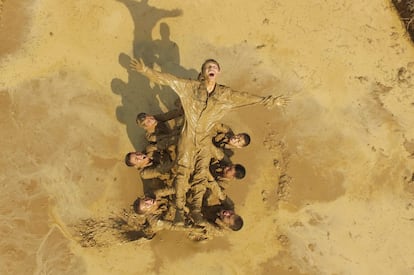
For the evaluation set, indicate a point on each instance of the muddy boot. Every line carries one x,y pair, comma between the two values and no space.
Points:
197,218
179,217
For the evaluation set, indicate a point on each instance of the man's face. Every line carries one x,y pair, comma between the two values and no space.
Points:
149,121
237,141
210,71
139,160
227,217
229,172
147,204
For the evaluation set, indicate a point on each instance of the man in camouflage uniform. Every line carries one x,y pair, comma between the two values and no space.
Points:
204,103
154,171
220,219
158,133
159,213
224,137
223,173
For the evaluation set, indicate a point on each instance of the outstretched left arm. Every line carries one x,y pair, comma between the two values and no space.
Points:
240,99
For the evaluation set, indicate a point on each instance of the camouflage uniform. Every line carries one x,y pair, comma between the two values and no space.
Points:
162,218
216,171
217,191
158,174
221,135
202,111
163,139
215,227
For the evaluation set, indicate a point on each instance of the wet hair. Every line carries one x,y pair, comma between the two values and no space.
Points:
200,77
140,118
128,159
240,171
207,61
136,206
238,223
246,138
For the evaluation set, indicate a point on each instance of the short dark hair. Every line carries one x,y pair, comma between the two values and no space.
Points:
140,118
207,61
240,171
246,138
238,223
128,159
136,206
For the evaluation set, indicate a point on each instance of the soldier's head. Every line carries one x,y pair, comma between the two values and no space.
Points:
137,159
146,121
239,140
209,70
231,219
144,205
234,171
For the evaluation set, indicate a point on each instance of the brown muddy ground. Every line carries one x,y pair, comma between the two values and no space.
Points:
329,186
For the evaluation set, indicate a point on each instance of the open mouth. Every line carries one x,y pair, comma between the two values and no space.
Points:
226,213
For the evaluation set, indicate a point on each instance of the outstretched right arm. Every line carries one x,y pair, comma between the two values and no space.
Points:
176,83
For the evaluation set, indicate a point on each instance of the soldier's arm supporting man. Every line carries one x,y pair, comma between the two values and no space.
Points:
161,171
159,225
164,192
208,232
217,153
216,189
221,128
175,113
164,141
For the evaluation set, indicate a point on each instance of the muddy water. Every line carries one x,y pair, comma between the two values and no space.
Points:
54,171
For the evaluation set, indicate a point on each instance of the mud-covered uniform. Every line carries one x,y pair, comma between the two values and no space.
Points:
217,191
221,135
163,139
202,111
159,170
194,199
160,166
162,218
173,114
217,170
215,226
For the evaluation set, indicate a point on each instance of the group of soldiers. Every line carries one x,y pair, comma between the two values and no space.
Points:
189,152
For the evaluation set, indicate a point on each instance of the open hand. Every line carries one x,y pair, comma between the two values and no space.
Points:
137,65
176,12
281,101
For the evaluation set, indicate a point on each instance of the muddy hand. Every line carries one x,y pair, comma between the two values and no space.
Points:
137,65
176,12
281,101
